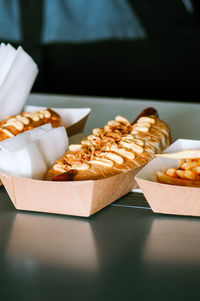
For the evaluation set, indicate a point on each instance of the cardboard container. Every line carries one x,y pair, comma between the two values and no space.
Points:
164,198
74,120
78,198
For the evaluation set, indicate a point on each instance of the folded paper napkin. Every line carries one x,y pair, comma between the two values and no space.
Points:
17,75
30,154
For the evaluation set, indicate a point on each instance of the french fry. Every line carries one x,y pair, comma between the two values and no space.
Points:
188,172
163,178
171,172
196,170
189,164
182,162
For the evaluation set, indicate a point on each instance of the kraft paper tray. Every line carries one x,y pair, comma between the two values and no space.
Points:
74,120
169,199
78,198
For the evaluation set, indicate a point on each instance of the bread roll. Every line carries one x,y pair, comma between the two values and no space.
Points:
118,147
20,123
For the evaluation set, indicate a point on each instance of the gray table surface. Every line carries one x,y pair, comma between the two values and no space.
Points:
123,252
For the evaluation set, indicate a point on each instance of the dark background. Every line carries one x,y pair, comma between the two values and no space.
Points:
165,66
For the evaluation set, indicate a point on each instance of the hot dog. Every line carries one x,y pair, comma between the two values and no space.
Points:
20,123
118,147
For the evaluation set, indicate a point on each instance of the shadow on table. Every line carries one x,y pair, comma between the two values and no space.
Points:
173,241
75,243
53,241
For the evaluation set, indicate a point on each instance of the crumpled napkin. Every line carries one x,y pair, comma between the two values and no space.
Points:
18,72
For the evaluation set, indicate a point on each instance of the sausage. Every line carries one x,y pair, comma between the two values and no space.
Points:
20,123
147,112
118,147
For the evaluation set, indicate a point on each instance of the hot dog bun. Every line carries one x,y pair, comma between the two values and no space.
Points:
118,147
20,123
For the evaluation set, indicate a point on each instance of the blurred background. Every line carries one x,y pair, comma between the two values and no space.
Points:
119,48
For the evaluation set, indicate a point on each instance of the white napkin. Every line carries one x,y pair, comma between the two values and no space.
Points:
30,154
17,75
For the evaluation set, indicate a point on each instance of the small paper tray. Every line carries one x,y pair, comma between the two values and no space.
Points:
74,120
164,198
81,198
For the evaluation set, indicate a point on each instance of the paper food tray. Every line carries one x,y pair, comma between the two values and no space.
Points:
164,198
78,198
73,119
